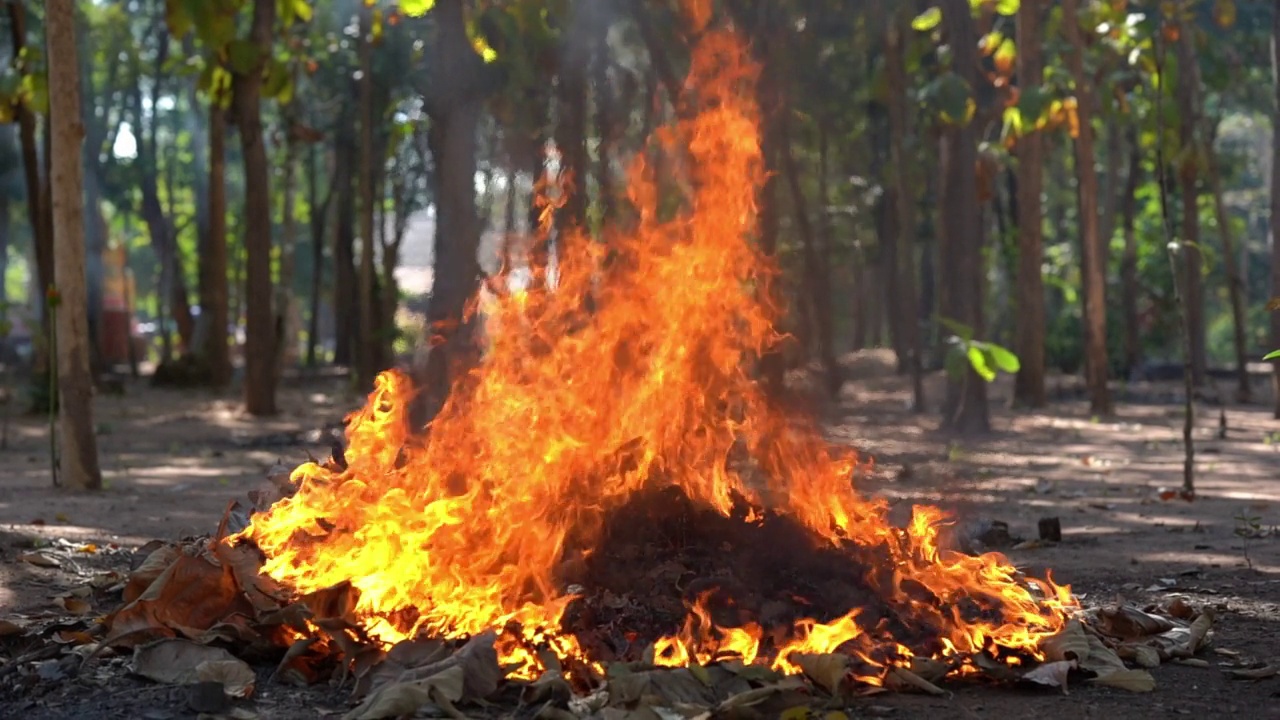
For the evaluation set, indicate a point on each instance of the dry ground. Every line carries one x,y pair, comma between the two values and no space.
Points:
173,460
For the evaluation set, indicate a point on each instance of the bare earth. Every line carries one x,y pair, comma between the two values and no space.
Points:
174,460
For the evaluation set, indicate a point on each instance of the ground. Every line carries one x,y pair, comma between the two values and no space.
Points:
173,460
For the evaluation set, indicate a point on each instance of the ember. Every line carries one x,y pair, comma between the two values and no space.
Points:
558,443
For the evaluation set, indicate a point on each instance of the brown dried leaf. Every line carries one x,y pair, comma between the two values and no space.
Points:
1102,659
9,628
1130,623
827,670
1199,632
1142,655
1131,680
1053,674
176,662
1262,673
151,568
73,604
929,669
551,688
236,676
902,679
662,686
39,560
188,598
1071,643
759,695
399,699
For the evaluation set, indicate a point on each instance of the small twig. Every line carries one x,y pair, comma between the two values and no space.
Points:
47,652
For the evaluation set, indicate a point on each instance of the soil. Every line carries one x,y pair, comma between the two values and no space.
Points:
173,460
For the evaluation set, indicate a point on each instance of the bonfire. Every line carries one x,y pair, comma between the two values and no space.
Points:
610,492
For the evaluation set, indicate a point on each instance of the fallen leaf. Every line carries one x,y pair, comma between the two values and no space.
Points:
176,662
152,567
189,597
1102,660
1053,674
8,628
1131,680
235,675
1262,673
929,669
827,670
662,686
903,679
1071,643
73,605
1199,632
39,560
72,637
399,699
89,548
1143,655
1193,662
1130,623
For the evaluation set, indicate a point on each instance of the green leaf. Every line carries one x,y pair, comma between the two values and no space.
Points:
278,84
1008,7
1003,359
1273,355
927,20
177,18
1012,122
243,56
302,9
415,8
978,361
964,332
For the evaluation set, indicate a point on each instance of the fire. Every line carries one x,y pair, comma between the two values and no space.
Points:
593,390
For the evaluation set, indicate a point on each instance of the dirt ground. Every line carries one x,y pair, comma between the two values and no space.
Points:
174,460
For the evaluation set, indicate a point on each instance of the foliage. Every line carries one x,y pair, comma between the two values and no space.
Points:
985,358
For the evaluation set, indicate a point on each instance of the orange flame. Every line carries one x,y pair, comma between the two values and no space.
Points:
574,411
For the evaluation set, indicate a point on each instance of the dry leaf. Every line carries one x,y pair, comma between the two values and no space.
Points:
828,670
392,701
189,597
929,669
1261,673
151,568
1143,655
1071,643
73,605
236,676
1102,660
1130,623
1053,674
1131,680
902,679
658,687
1199,632
39,560
176,662
8,628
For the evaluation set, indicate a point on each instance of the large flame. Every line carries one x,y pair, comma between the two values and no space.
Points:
620,379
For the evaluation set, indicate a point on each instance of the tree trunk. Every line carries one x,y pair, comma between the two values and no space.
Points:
213,259
960,236
459,85
1129,261
1093,271
367,360
36,212
817,275
571,127
319,216
903,205
79,459
1188,183
1275,203
1029,320
260,336
344,269
768,95
603,94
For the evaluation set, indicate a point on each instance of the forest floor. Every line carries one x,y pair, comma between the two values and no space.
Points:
174,460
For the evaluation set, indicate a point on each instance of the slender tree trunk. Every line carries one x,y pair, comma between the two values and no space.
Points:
603,95
285,293
571,130
960,237
1188,183
259,351
1029,320
1129,261
367,359
319,210
768,95
79,460
1093,270
904,203
459,85
213,261
817,275
36,212
1275,202
344,269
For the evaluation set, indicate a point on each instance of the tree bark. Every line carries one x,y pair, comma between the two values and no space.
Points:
36,212
79,459
960,236
319,210
1275,203
1093,270
1029,320
260,336
367,353
768,96
1188,184
460,82
1129,260
904,204
345,310
213,260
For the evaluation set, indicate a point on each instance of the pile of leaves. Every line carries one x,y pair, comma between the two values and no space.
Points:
199,615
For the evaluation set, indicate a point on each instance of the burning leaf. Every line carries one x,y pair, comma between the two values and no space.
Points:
1071,643
392,701
929,669
658,687
1053,674
1131,680
828,670
758,695
189,597
550,688
903,679
176,662
236,676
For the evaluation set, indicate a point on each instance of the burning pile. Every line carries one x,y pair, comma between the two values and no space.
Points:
578,418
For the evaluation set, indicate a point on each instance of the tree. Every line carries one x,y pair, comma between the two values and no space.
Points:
367,355
1188,183
1275,203
1029,335
79,445
259,351
1092,254
960,231
214,295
